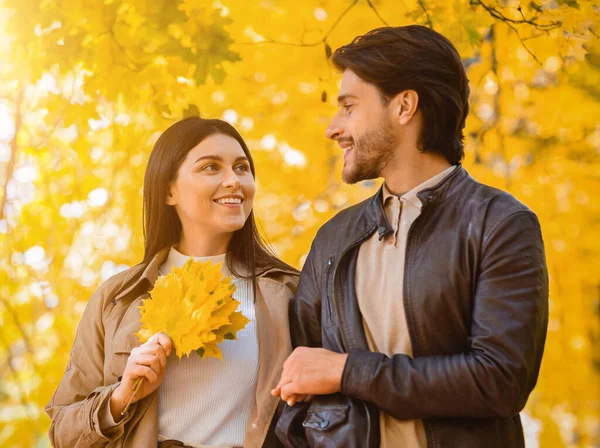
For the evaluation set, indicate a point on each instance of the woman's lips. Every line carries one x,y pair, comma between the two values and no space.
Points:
229,202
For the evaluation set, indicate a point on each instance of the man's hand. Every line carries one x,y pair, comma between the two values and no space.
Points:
310,371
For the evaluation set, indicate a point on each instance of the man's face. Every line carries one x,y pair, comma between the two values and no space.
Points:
363,128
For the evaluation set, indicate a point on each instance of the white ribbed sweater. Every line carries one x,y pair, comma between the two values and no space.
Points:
208,402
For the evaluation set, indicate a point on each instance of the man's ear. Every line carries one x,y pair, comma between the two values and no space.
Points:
405,106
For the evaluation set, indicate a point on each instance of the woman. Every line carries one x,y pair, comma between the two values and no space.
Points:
198,195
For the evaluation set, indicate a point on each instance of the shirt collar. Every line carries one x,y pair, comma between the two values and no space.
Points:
411,196
177,259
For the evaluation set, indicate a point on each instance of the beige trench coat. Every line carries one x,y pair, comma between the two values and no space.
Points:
105,337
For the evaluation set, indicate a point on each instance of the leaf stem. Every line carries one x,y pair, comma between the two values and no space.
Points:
136,388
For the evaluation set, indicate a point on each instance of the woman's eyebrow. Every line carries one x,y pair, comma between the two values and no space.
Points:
219,158
211,157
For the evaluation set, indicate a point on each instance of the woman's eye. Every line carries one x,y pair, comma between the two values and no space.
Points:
243,167
347,107
210,167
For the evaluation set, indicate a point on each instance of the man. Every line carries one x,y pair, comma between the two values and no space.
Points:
428,301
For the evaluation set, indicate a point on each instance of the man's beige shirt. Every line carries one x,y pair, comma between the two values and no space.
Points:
379,287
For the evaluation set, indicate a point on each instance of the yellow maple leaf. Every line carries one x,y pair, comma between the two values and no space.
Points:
160,314
237,322
211,350
194,306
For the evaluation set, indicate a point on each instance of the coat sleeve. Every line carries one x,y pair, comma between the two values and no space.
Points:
79,406
495,376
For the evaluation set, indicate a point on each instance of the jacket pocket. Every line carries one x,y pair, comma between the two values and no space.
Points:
123,341
124,338
324,426
326,418
289,428
329,421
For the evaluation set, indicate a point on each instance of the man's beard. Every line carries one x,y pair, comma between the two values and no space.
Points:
372,153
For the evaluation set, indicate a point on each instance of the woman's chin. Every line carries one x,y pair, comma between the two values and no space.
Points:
231,224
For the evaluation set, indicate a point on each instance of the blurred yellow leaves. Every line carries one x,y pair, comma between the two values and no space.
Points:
86,88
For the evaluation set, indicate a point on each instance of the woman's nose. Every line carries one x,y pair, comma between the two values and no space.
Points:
231,181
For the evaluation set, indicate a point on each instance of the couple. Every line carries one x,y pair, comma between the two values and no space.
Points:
420,316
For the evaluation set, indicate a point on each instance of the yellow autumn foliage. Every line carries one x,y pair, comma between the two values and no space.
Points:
87,86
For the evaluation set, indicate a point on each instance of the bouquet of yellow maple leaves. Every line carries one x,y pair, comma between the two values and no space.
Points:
194,306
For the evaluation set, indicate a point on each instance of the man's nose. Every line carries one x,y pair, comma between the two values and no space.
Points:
334,131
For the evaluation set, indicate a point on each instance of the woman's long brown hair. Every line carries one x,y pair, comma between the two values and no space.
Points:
162,227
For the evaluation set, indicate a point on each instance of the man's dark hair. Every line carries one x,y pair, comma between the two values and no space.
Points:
417,58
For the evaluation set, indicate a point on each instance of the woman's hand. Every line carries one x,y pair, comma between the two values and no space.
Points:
147,361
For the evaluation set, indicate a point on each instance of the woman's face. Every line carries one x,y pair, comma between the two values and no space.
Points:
214,188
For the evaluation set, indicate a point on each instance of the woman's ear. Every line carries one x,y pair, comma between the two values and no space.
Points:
171,195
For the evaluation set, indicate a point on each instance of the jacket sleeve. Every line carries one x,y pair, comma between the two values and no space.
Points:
494,377
78,408
305,309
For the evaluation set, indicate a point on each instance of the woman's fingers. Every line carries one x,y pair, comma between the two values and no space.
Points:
147,361
151,361
152,349
163,340
162,357
139,370
145,357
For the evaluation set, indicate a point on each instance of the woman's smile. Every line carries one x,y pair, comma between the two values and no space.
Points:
234,201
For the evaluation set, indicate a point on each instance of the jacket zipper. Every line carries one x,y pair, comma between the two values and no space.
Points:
330,262
411,334
337,305
341,321
405,283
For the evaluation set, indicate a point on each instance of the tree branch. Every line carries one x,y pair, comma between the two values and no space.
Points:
376,12
512,24
303,44
422,5
512,27
523,21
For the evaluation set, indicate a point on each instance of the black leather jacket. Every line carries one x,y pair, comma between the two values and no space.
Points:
476,303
